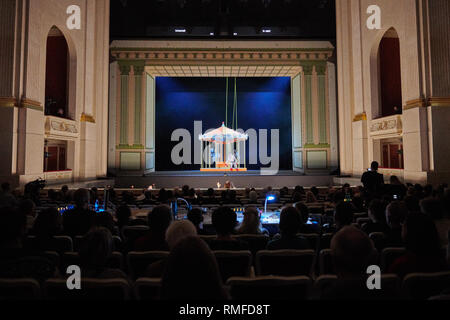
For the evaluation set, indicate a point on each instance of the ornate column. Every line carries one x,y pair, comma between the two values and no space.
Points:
138,72
321,88
297,135
307,70
124,86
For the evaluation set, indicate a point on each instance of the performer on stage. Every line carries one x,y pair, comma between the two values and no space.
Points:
213,156
233,160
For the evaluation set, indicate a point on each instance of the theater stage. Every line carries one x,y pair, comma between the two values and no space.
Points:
205,180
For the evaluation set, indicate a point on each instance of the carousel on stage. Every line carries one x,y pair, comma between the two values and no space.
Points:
221,150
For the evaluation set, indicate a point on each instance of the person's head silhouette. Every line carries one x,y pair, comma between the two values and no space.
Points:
374,166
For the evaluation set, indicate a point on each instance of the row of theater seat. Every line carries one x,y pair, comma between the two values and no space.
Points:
414,286
232,263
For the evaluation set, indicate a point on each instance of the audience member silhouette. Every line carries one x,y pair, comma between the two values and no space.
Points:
251,223
6,197
177,231
372,180
396,213
155,240
195,216
352,253
424,252
78,221
224,221
377,215
290,224
48,224
192,273
95,251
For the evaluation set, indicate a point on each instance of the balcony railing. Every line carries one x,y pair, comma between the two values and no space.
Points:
392,125
61,128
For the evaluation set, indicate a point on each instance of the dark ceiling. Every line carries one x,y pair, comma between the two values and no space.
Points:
216,19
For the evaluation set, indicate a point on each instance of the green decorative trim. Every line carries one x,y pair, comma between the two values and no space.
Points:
8,102
322,110
137,106
317,146
308,109
31,104
124,109
129,147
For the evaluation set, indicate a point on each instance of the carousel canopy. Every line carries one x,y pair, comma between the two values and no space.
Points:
223,135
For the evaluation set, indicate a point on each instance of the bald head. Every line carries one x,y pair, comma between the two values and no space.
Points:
351,250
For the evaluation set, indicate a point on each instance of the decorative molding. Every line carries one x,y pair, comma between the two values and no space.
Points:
387,126
131,147
155,56
430,102
31,104
439,102
360,117
60,127
87,118
190,50
317,146
8,102
417,103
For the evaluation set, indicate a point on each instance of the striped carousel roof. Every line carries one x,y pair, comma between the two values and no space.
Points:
223,135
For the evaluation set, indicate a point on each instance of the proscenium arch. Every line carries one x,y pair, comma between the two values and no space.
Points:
375,74
71,69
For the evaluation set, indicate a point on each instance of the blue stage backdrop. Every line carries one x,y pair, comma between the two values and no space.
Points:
263,103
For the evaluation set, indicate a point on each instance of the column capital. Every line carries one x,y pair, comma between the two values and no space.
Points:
307,69
124,68
138,70
321,69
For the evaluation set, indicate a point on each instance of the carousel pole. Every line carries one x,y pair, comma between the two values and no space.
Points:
245,156
239,154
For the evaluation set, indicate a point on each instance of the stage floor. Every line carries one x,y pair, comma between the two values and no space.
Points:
205,180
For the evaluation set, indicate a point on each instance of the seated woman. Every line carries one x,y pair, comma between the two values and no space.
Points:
251,223
290,223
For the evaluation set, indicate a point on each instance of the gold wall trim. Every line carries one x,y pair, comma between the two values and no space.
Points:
360,117
416,103
87,118
8,102
439,102
31,104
